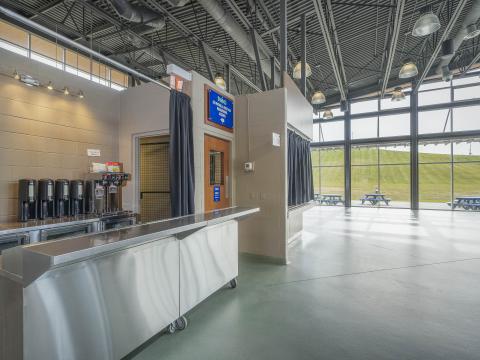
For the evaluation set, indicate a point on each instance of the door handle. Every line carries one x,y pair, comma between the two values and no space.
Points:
227,187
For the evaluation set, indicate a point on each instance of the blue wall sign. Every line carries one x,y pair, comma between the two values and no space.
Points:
220,109
216,193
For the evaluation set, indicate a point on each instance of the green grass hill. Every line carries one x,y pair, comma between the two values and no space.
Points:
392,177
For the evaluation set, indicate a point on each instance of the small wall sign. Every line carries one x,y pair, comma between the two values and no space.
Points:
93,152
216,193
275,139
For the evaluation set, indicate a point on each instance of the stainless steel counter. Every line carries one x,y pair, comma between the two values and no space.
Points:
99,296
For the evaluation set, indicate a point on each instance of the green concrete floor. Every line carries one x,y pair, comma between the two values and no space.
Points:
362,284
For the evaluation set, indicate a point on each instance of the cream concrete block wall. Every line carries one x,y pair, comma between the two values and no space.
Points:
144,112
45,134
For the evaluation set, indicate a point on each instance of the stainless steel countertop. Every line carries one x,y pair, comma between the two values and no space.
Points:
30,261
32,225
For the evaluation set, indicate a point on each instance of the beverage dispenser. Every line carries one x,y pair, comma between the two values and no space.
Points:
27,199
95,198
45,199
77,197
62,197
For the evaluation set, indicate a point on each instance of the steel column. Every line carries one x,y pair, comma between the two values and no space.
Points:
228,78
272,73
283,40
348,156
414,198
303,55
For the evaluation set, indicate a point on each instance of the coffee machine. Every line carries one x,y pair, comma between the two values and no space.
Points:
95,197
27,199
45,199
77,197
62,197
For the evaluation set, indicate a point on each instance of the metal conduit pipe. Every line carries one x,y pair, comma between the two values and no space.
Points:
138,14
67,41
230,25
471,18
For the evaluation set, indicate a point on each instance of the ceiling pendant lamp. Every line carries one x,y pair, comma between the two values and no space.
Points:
16,75
318,98
66,91
398,94
297,70
50,86
220,81
408,70
80,94
472,31
447,75
427,23
327,114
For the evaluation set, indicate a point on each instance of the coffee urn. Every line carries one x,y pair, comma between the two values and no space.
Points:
62,197
95,197
77,198
46,203
27,199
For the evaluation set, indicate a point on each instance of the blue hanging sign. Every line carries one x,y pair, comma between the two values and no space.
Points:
220,109
216,193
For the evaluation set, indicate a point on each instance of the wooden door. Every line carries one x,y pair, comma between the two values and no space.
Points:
217,173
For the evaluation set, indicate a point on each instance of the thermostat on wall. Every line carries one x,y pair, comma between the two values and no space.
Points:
248,166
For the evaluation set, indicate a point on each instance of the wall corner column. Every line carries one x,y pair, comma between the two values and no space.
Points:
414,188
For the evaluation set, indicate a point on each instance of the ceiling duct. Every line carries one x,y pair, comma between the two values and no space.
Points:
138,14
236,32
470,18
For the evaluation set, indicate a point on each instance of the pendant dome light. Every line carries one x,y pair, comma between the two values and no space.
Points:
318,98
220,81
398,94
80,94
327,114
50,86
472,31
408,70
66,91
427,23
16,75
297,70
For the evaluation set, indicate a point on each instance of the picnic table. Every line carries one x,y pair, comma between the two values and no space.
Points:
466,202
375,199
330,199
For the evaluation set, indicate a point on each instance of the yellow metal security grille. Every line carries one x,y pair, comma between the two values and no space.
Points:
154,179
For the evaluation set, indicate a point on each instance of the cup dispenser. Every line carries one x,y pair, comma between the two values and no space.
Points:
62,197
77,197
27,199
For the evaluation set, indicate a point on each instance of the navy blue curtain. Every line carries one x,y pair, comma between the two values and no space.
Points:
182,177
300,178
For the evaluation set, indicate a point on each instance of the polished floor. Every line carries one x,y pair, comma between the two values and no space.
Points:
362,284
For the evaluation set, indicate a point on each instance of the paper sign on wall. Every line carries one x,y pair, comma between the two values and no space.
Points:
275,139
216,193
93,152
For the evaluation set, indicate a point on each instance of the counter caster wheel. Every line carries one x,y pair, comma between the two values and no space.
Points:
171,328
233,283
181,323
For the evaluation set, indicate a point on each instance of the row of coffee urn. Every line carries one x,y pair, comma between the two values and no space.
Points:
47,198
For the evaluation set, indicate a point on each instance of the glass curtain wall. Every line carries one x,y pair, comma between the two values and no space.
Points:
449,148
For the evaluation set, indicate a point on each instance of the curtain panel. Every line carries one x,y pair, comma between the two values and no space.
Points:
182,176
300,178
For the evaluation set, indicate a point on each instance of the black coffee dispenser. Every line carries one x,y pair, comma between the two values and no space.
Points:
27,199
62,197
46,203
77,197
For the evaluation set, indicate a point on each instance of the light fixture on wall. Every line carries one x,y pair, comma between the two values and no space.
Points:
427,23
50,86
327,114
29,80
398,94
66,91
220,81
16,75
297,70
472,31
408,70
318,98
80,94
